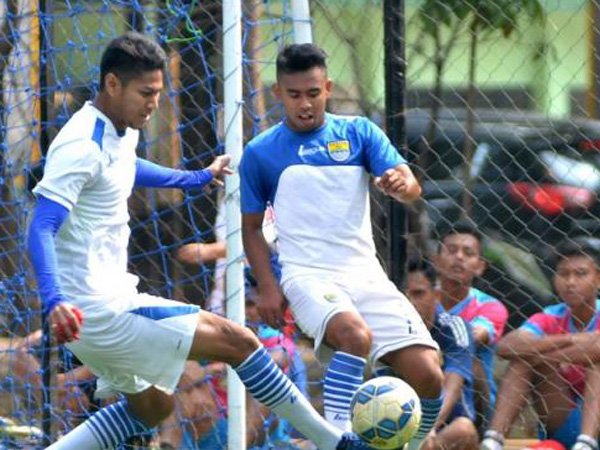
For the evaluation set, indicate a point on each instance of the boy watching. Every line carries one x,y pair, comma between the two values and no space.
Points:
555,356
458,261
454,428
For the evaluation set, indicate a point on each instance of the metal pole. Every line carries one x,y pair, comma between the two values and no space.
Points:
395,70
233,102
44,143
301,20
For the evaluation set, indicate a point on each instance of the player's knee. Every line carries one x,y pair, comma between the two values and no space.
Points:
425,376
243,342
153,409
351,337
163,409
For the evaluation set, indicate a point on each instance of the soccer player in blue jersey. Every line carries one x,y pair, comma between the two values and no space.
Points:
454,428
136,344
314,168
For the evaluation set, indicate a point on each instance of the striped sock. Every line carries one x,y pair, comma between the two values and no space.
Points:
342,379
270,386
106,429
430,408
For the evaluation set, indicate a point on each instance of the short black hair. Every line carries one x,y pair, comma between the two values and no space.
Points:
575,247
300,58
130,55
424,266
463,226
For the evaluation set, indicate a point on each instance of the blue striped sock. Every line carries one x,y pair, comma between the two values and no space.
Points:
263,379
270,386
113,424
430,408
342,379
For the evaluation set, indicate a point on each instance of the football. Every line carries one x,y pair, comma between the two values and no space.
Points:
385,412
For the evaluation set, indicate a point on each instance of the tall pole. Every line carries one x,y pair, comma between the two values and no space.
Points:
44,142
301,21
233,120
395,85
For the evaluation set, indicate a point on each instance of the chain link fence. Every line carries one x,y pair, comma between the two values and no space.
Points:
502,102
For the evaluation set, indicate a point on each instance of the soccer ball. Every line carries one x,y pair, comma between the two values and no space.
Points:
386,413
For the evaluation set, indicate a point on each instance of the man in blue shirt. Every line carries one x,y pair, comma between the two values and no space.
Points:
454,428
314,168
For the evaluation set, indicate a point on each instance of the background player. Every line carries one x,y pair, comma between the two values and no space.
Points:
135,343
314,169
555,356
458,261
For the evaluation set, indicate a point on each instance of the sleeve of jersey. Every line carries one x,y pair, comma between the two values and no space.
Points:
458,350
538,324
253,194
381,155
149,174
67,170
493,316
48,216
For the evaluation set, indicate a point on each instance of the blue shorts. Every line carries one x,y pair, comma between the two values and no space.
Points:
569,430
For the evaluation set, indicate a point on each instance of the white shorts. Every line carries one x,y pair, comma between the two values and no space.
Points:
393,320
139,342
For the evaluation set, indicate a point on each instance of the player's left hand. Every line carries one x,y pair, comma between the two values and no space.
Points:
392,182
220,167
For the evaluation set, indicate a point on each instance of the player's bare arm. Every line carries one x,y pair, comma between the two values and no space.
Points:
583,350
399,183
523,344
271,305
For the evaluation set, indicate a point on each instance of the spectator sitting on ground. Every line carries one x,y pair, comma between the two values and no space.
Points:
458,262
555,356
454,428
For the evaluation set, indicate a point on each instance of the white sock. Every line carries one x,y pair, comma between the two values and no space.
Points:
492,440
270,386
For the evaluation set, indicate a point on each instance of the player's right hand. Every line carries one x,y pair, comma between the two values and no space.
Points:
65,322
271,307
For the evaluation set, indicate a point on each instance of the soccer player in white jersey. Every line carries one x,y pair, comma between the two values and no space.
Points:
314,168
135,343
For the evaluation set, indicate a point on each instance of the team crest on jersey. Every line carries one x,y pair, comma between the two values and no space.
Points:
339,150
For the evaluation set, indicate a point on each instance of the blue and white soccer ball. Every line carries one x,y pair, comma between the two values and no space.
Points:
386,413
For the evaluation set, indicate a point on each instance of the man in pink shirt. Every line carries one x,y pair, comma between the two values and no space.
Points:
554,356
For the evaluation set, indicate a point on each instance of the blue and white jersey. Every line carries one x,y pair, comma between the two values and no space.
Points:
90,170
318,184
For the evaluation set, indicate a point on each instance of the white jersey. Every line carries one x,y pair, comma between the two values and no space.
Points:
90,170
318,184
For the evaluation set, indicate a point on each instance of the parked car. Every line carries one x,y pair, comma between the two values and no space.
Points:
533,181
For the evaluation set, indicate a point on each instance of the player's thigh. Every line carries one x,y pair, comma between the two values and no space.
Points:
314,301
394,322
144,342
220,339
